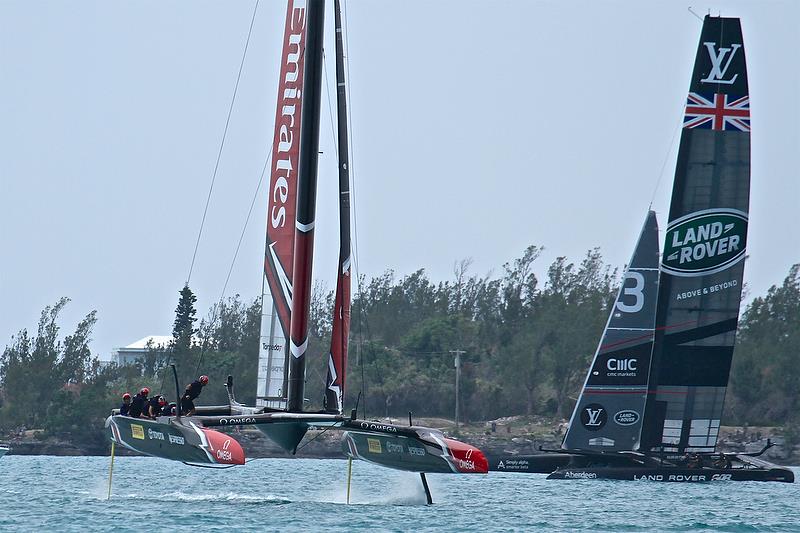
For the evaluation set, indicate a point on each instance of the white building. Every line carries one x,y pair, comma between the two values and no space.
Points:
131,353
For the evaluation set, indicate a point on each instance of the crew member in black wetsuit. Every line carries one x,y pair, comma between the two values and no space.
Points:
155,405
139,404
125,408
722,462
168,410
193,390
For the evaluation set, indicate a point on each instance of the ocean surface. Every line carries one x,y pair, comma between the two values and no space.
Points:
149,494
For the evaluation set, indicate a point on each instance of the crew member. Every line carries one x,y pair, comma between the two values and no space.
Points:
138,407
722,462
155,406
193,390
125,408
694,461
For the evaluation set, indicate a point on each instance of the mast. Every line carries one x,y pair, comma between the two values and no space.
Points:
306,203
702,268
608,415
276,293
337,357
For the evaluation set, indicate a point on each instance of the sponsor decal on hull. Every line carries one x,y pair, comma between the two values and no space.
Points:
137,431
391,447
514,464
413,450
378,427
580,475
682,478
705,242
374,445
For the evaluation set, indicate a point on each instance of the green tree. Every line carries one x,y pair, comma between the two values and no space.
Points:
183,332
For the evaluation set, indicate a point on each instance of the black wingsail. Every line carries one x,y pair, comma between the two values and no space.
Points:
608,415
703,261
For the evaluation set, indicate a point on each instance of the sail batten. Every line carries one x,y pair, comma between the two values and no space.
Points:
702,267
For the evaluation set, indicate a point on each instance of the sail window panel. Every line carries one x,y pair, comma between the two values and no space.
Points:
699,441
671,439
671,433
699,426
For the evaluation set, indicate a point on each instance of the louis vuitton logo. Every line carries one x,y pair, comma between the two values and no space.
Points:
718,70
594,416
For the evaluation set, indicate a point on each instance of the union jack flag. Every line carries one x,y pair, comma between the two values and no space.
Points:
717,112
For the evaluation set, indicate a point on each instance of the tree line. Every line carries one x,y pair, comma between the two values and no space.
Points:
527,342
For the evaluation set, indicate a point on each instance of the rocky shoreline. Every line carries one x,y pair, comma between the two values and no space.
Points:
517,435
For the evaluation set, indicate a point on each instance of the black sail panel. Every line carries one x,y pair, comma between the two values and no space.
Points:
609,412
702,265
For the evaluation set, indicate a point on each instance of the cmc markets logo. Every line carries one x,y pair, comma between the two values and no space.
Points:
705,242
626,417
594,416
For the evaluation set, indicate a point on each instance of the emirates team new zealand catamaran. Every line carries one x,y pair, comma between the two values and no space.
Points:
652,401
286,297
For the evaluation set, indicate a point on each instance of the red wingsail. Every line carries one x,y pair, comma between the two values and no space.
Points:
337,357
281,214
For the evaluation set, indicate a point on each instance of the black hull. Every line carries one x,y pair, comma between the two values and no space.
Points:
639,467
541,463
676,475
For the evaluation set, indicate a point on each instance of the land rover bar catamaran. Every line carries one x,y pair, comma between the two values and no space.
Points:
651,404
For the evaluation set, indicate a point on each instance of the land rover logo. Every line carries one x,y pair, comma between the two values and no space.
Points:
594,416
626,417
705,242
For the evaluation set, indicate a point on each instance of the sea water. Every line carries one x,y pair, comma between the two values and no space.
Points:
70,494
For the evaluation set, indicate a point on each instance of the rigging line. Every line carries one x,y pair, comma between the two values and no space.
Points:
354,240
246,222
222,142
695,14
666,156
330,107
318,435
236,254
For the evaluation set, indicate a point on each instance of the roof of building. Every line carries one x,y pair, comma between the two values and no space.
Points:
141,344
